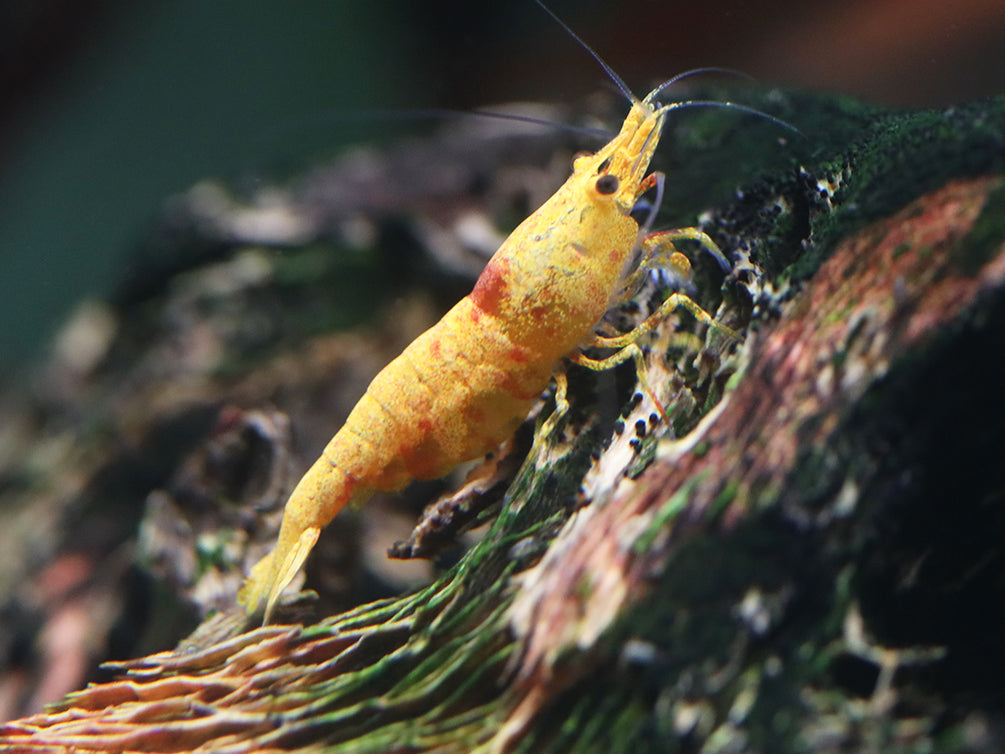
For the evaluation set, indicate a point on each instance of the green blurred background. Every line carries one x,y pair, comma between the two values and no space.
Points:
108,107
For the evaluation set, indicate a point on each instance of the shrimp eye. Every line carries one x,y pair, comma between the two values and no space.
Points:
607,184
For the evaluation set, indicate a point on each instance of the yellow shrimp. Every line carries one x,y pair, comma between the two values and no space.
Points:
464,385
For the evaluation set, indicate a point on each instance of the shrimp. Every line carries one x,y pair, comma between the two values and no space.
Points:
463,386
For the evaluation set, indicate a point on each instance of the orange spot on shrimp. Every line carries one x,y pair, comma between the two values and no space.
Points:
509,382
424,459
492,287
474,415
519,355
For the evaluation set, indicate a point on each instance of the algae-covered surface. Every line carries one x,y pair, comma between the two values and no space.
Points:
793,544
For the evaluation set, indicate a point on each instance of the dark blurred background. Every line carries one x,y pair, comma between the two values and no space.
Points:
107,107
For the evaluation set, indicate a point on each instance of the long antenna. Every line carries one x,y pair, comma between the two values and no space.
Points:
651,97
618,81
727,105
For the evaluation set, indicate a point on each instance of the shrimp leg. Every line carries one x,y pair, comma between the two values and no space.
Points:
660,254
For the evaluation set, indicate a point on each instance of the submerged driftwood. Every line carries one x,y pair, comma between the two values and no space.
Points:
805,556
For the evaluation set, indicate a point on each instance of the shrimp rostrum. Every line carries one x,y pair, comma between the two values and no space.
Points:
464,385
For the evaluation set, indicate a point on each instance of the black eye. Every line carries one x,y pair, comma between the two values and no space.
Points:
607,184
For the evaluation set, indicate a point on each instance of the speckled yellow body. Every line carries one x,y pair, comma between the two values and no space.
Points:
465,384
